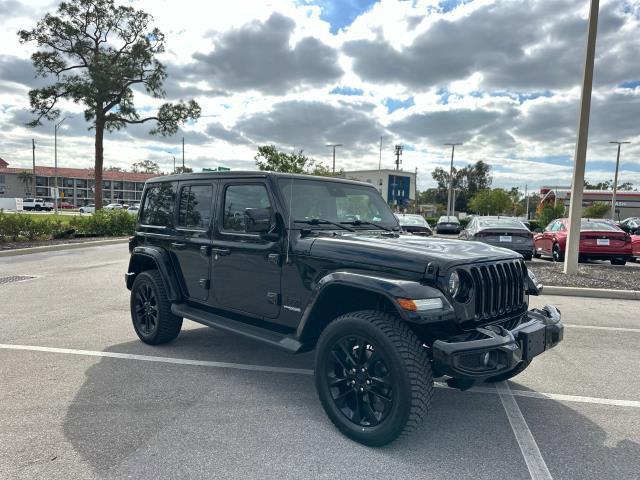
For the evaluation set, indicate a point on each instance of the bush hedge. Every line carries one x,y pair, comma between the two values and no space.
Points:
18,226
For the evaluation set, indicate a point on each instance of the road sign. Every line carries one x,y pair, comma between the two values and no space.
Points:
217,169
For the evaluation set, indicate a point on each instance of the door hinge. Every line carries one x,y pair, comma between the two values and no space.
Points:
273,298
204,283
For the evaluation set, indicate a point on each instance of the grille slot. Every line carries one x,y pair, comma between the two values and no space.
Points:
498,288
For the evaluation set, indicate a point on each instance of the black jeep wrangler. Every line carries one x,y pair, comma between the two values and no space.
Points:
304,263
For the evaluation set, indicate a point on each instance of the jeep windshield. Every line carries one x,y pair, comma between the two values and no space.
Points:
323,204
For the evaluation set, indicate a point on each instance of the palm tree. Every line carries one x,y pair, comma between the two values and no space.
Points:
26,178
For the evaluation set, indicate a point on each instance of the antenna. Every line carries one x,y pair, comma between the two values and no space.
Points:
289,228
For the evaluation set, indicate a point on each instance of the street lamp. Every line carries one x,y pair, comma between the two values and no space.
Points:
334,145
615,182
55,160
453,149
174,161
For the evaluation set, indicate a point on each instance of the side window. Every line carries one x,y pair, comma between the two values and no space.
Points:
157,208
240,198
551,227
562,228
195,206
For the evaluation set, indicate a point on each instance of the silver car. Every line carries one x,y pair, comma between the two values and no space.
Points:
506,232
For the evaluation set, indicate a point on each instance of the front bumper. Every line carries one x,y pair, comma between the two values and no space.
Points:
500,350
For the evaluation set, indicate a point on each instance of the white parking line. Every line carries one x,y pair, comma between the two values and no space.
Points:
594,327
304,371
528,446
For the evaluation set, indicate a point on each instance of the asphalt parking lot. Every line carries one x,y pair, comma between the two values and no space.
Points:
83,398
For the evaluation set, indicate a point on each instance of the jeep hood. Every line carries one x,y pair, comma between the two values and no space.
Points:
405,252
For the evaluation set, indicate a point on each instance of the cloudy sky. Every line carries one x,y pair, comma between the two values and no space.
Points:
502,77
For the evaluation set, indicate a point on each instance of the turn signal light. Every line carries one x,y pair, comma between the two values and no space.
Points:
420,305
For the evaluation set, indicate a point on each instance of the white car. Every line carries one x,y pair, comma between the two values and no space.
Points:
91,208
36,204
113,206
133,209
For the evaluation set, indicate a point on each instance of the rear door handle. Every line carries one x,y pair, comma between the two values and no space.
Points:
221,251
178,245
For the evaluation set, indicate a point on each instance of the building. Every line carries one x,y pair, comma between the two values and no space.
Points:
76,185
397,187
627,203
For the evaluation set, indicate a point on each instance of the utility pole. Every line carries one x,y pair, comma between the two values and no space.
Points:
333,146
182,155
55,165
526,196
380,168
398,152
415,191
33,148
577,183
615,182
453,149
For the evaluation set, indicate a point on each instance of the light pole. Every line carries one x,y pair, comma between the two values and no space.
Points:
174,161
55,162
333,146
453,149
577,183
615,182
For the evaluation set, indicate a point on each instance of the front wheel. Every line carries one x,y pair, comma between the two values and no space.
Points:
557,255
373,377
151,310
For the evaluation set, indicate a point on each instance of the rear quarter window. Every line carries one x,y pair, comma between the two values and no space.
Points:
158,205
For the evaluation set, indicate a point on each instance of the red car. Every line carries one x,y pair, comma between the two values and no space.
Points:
599,240
635,246
66,205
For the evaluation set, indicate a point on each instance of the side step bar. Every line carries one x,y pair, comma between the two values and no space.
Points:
269,337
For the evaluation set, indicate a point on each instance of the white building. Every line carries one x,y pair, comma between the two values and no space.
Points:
396,186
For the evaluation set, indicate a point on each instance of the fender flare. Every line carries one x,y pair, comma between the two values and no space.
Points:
163,264
389,288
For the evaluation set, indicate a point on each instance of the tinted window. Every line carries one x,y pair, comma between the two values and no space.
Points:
500,223
158,205
598,225
195,206
239,198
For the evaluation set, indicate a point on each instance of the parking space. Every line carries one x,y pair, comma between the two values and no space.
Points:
83,398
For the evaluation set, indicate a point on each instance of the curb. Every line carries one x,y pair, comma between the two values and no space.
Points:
60,246
592,292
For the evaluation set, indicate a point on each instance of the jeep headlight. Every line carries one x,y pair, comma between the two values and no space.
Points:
454,284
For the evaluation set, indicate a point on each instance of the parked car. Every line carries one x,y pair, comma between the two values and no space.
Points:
631,225
113,206
133,209
66,206
635,246
414,224
599,240
91,208
448,224
506,232
36,204
301,263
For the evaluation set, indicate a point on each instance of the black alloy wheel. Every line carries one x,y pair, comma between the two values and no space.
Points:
359,381
557,255
146,309
373,376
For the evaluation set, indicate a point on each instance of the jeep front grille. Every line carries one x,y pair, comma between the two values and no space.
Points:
498,288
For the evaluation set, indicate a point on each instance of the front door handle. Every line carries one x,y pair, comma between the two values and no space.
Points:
178,245
221,251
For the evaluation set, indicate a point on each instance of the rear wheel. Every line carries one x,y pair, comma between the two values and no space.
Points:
151,310
618,261
556,254
373,377
528,256
508,375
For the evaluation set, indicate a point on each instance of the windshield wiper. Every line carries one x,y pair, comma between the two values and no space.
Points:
322,221
357,223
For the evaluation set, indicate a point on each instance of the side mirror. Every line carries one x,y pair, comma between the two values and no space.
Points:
258,220
537,230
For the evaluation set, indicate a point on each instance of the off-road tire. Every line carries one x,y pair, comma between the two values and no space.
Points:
409,370
509,375
168,325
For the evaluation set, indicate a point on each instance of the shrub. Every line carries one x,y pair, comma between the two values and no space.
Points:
597,210
105,223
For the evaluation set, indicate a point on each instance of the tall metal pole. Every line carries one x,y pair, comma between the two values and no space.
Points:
577,184
182,154
453,149
615,182
380,168
526,196
55,159
333,146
